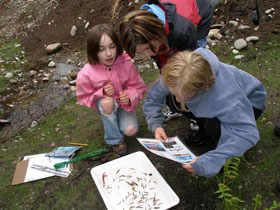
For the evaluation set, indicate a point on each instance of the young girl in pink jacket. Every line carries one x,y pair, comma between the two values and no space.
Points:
111,85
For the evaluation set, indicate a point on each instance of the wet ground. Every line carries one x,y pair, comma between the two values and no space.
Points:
38,102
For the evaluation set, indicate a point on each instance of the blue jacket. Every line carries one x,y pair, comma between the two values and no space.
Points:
186,21
231,99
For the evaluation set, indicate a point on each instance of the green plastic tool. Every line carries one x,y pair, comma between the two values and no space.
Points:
63,164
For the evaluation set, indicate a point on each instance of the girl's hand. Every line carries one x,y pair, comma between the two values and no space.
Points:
160,134
189,167
124,98
109,89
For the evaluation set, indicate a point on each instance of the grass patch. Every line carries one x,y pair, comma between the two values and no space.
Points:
11,59
74,123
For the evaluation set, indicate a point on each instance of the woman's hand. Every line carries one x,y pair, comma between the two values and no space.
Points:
109,89
124,98
160,134
189,167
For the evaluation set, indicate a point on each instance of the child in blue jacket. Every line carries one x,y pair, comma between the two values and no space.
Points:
225,100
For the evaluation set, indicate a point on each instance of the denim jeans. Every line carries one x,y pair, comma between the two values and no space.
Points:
202,42
116,123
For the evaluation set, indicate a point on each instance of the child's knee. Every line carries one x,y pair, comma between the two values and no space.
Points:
107,105
130,131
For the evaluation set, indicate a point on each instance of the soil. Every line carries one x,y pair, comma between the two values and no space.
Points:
46,22
61,15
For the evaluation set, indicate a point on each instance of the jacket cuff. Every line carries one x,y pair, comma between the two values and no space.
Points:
155,126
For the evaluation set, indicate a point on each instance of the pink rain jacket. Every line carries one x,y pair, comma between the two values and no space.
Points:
124,77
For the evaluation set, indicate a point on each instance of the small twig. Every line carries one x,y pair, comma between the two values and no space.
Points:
104,159
78,3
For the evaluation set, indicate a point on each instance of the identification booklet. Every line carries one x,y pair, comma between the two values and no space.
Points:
172,149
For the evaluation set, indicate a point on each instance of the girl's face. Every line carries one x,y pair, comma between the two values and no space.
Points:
187,96
145,49
107,51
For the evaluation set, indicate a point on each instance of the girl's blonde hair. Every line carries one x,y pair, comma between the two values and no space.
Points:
187,72
141,27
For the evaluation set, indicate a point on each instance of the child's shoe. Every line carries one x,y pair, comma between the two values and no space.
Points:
169,114
195,139
120,149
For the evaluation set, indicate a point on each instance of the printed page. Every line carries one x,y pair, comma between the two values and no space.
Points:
172,149
155,146
41,160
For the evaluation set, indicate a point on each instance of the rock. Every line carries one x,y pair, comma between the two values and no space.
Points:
212,32
22,93
51,64
46,79
73,74
32,73
240,44
9,75
217,25
5,121
53,48
218,36
69,61
66,86
243,27
233,23
234,51
252,39
73,82
65,80
13,81
34,124
73,30
73,88
87,25
267,11
239,57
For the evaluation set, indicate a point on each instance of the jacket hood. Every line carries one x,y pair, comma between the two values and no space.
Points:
211,58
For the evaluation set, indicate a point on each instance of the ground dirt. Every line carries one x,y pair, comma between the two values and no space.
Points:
53,24
62,15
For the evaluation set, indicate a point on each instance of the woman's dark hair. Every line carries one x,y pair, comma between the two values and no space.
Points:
141,27
93,39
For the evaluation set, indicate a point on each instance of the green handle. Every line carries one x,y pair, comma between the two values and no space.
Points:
62,164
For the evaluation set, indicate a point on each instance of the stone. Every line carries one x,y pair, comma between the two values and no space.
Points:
34,124
73,30
243,27
212,32
13,81
22,93
252,39
32,73
9,75
73,88
239,57
233,23
234,51
51,64
240,44
54,48
87,25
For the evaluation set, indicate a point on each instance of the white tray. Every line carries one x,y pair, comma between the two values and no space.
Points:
132,182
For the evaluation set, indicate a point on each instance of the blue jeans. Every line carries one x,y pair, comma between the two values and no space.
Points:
116,123
202,42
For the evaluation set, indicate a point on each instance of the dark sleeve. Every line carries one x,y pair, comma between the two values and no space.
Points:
206,14
184,35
